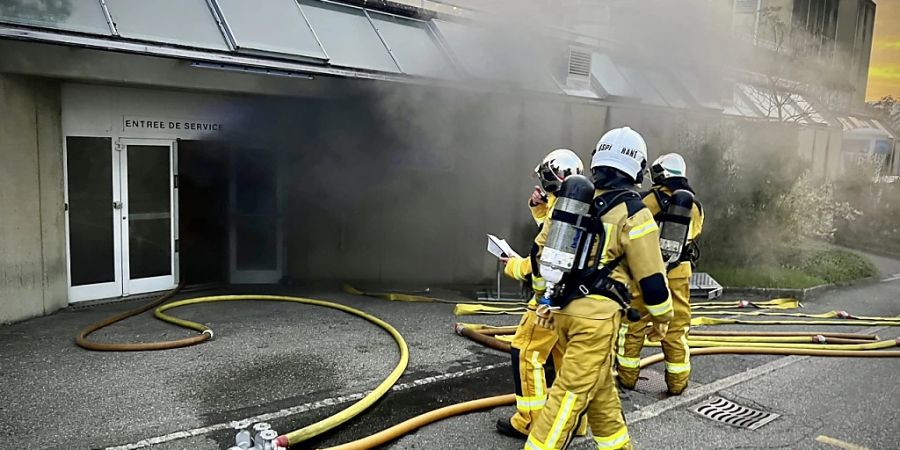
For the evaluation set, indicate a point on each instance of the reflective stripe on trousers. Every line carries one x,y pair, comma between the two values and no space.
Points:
614,441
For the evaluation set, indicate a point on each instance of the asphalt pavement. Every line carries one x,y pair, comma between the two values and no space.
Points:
300,363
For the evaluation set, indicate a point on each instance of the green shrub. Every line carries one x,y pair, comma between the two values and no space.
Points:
879,227
763,277
832,265
799,267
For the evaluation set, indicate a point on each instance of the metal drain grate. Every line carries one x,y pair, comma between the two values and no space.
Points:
730,413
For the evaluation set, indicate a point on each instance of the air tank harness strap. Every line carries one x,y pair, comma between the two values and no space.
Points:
599,282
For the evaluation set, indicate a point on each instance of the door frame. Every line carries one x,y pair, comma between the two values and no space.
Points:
235,275
152,284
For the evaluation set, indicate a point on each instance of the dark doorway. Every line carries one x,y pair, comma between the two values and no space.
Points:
203,211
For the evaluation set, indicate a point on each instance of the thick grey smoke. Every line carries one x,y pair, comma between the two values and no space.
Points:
390,182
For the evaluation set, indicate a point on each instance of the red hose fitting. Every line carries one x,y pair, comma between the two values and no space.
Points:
743,304
458,328
282,441
843,315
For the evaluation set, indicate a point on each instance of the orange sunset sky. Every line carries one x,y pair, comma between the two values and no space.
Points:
884,68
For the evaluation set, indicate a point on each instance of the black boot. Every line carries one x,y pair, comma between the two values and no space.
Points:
505,428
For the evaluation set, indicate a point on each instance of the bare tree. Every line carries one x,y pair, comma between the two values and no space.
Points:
888,108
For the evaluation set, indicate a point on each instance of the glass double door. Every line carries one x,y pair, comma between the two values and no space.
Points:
121,216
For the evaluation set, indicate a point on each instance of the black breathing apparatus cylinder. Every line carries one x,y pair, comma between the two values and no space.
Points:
674,225
575,227
568,239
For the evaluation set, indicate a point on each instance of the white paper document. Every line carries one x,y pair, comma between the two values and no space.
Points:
500,248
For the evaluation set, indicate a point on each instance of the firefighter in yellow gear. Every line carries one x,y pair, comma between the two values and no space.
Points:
669,174
532,347
591,302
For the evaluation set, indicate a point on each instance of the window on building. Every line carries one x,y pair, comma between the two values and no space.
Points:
183,22
814,26
86,17
413,45
669,88
645,88
270,26
348,37
610,77
868,26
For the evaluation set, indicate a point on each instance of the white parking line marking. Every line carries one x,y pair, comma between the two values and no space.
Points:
893,277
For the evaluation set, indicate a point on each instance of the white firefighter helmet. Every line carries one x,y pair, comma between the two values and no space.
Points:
556,166
623,149
670,165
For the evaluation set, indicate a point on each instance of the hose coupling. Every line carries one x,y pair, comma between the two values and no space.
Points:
209,332
819,339
743,303
843,315
458,328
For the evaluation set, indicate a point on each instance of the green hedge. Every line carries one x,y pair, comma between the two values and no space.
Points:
797,268
832,265
762,277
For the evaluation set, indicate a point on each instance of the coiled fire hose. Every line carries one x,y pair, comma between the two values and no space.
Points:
285,440
82,338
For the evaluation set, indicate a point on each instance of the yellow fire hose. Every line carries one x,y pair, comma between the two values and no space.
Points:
82,338
825,315
335,420
511,308
405,297
404,428
815,339
827,334
710,321
877,345
778,303
749,341
285,440
491,330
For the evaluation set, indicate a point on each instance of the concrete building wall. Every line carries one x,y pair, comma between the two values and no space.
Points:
408,198
32,226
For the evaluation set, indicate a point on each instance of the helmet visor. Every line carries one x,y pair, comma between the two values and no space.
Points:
549,181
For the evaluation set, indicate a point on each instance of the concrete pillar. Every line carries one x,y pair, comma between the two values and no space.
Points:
32,231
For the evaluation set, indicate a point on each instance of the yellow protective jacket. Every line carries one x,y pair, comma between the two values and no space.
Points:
541,211
683,270
630,231
520,268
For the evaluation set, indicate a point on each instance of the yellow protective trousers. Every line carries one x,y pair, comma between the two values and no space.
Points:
531,350
674,345
584,386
